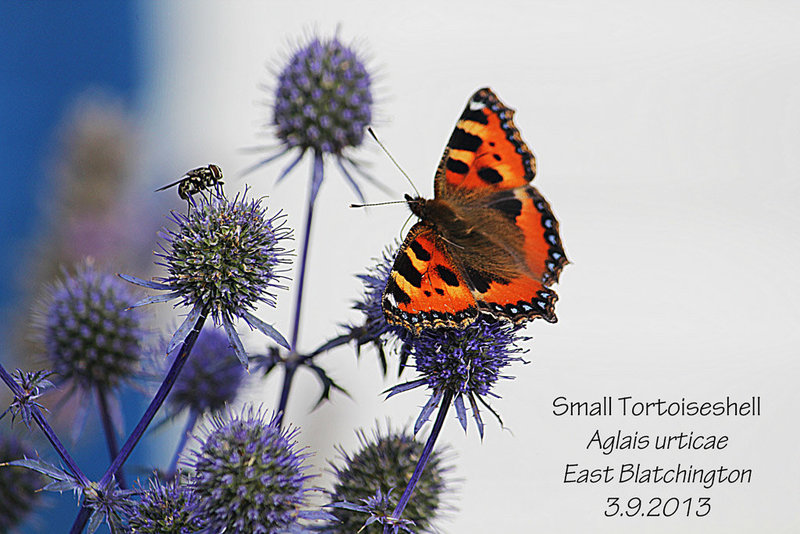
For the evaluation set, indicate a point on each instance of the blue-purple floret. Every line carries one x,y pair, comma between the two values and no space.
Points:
466,362
463,362
225,257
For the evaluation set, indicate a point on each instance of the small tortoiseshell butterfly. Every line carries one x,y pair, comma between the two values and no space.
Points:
487,242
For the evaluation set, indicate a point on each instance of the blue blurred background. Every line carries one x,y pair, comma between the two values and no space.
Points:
54,53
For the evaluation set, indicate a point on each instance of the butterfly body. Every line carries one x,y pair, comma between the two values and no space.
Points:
487,242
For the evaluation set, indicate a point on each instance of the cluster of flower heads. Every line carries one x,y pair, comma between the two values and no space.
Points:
91,336
372,479
247,475
224,257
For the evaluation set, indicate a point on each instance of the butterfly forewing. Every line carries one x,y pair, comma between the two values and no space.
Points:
485,150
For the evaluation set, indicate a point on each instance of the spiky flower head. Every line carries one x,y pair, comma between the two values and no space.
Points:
227,254
323,99
225,257
210,379
322,103
166,508
19,487
90,335
250,475
382,467
464,363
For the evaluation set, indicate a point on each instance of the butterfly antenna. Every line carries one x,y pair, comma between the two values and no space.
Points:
369,129
379,204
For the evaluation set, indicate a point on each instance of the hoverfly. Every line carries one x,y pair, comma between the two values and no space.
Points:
196,181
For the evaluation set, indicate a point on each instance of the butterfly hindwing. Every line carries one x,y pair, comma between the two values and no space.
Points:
529,214
425,288
517,299
485,150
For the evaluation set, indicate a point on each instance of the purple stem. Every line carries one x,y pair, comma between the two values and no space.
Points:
316,180
155,404
288,375
80,521
447,399
191,421
108,430
46,429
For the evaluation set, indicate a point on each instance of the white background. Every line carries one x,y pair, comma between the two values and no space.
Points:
667,139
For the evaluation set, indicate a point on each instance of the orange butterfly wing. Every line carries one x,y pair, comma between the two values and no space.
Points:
425,289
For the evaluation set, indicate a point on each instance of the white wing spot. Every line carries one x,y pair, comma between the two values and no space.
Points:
474,105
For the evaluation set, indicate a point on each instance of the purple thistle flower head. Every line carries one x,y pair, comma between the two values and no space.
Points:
377,473
249,474
323,99
169,507
225,257
210,379
90,335
19,486
464,362
323,104
227,254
